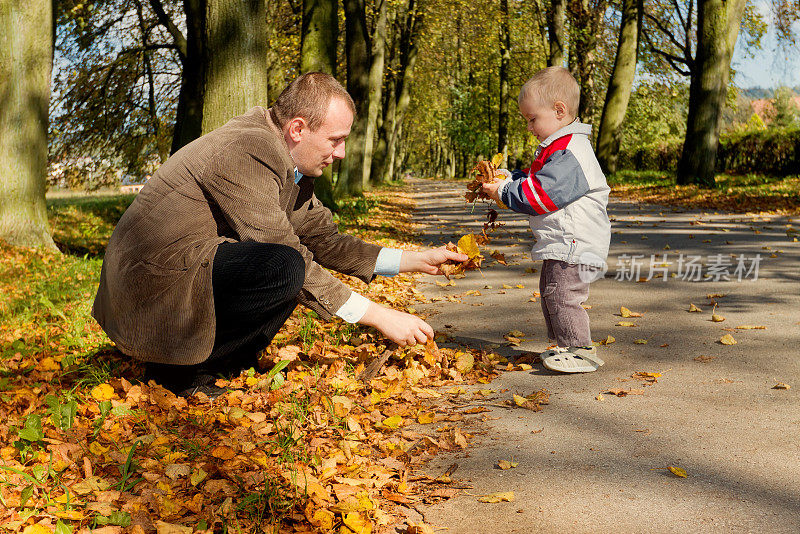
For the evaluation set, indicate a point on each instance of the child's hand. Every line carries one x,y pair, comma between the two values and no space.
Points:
490,190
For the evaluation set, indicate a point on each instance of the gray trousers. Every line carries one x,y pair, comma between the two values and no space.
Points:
562,293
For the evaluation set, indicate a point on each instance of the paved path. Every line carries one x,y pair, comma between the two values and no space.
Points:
589,465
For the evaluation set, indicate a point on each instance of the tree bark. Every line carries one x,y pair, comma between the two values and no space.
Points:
505,61
717,29
409,47
619,86
26,60
375,90
556,16
320,31
189,115
357,52
236,70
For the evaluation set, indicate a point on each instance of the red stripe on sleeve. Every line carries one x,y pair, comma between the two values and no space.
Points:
531,197
548,203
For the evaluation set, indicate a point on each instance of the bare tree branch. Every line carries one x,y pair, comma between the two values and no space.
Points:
180,40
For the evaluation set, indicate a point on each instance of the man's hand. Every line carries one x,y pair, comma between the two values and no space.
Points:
402,328
428,261
490,190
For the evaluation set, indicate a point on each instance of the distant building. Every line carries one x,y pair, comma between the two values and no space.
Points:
130,189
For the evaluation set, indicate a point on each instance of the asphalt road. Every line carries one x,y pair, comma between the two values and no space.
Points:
595,462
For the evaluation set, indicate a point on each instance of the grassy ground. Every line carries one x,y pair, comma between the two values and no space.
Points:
297,445
747,193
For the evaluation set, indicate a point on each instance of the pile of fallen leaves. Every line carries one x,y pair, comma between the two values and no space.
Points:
315,440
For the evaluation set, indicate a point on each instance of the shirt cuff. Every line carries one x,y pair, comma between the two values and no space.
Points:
388,262
502,189
354,308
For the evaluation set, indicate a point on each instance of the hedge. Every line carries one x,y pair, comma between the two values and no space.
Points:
775,152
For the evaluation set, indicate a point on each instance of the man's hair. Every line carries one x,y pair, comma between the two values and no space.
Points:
550,85
308,97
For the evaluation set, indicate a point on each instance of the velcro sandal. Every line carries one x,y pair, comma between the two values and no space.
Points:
572,360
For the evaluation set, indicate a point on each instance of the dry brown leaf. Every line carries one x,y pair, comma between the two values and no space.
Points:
620,392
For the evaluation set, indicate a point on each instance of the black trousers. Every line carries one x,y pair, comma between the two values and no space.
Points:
255,291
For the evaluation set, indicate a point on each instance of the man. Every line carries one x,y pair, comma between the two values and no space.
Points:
227,237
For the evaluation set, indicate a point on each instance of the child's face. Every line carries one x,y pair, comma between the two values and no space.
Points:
543,121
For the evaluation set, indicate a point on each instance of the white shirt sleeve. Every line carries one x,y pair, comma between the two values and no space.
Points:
388,263
354,308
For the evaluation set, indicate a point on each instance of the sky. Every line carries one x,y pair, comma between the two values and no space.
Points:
770,67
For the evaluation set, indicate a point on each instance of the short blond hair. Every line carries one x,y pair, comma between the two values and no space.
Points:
551,85
308,97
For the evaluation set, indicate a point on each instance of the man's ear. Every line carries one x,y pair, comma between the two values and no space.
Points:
561,109
296,127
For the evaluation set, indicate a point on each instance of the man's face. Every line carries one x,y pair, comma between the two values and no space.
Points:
315,150
543,121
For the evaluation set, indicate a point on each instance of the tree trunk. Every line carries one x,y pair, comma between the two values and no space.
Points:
357,52
26,60
319,34
236,68
375,89
409,47
505,61
619,87
555,21
586,17
189,115
385,129
717,29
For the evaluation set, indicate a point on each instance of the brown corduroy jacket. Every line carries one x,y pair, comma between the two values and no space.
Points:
155,299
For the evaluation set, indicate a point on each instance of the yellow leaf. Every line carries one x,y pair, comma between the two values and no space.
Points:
625,312
519,400
677,471
426,418
525,367
393,422
781,385
503,496
609,340
37,529
497,159
464,362
717,318
485,392
48,364
625,323
223,453
469,246
103,392
515,333
727,339
694,309
640,341
322,519
519,286
357,522
750,327
422,528
506,286
505,464
97,449
72,515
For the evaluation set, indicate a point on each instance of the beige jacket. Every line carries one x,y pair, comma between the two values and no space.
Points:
236,183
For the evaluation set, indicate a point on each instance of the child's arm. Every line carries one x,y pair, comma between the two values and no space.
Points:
559,182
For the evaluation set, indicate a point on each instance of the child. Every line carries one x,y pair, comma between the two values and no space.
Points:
566,194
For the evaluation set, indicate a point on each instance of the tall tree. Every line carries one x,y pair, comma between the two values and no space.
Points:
619,86
505,64
375,89
586,18
320,30
718,24
26,59
357,54
556,17
191,51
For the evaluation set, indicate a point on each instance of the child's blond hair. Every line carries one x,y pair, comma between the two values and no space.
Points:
550,85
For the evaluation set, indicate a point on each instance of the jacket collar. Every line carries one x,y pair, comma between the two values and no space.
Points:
575,127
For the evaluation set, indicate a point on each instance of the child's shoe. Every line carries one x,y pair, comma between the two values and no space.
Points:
572,359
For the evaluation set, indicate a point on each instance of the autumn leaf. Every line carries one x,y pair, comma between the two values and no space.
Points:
505,465
499,257
608,340
677,471
750,327
620,392
426,418
464,362
694,309
493,498
727,339
781,385
103,392
392,422
640,341
223,452
626,323
625,312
